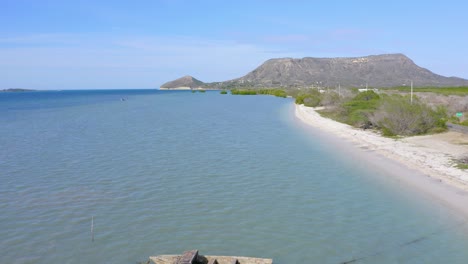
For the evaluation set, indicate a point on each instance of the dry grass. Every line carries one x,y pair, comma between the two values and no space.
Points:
462,163
453,103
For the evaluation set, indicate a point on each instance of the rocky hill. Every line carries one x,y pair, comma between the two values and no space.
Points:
386,70
183,82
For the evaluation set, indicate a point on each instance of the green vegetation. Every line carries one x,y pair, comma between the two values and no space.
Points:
275,92
396,115
201,91
243,92
223,92
462,163
358,110
458,120
312,97
461,90
392,114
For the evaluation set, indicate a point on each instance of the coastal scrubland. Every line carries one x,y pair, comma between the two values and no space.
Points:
275,92
460,90
392,111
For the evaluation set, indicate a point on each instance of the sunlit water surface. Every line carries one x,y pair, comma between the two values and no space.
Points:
162,172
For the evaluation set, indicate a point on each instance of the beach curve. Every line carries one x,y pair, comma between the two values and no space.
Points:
427,155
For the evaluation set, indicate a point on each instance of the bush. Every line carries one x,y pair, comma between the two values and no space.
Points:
393,115
436,130
360,118
358,110
387,132
462,163
223,92
397,116
312,101
275,92
243,92
330,99
311,98
299,99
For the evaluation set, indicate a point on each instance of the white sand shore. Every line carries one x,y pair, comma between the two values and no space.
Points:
432,156
176,88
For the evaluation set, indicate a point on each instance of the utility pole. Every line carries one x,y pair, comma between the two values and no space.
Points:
411,92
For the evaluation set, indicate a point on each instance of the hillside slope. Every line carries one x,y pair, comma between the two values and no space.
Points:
387,70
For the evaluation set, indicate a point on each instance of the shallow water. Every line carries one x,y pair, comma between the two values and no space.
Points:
163,172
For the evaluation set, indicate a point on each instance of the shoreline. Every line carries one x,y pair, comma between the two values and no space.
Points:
426,169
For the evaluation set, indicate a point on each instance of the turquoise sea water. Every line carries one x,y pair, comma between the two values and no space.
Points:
165,171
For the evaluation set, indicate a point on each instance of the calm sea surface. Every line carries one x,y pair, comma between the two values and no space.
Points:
165,171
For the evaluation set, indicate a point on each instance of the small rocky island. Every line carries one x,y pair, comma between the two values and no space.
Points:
192,257
184,83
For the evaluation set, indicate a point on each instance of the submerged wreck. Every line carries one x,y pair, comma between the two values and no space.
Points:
192,257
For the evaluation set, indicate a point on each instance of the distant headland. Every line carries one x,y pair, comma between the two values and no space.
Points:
17,90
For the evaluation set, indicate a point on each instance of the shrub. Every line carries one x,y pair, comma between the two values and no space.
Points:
243,92
366,96
275,92
299,99
398,116
436,130
312,101
330,99
310,97
223,92
358,110
462,163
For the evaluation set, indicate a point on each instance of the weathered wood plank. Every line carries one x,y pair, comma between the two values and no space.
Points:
171,259
213,261
188,257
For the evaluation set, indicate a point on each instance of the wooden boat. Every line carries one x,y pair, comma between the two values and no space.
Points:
192,257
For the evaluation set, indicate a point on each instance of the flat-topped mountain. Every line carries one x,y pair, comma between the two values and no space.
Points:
183,82
386,70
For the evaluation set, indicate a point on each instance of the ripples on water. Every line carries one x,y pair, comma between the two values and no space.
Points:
164,172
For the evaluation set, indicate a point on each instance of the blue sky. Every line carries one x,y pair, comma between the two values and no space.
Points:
142,44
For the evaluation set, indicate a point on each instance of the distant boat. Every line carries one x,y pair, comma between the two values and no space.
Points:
123,99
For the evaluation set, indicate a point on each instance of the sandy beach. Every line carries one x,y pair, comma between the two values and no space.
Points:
427,162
